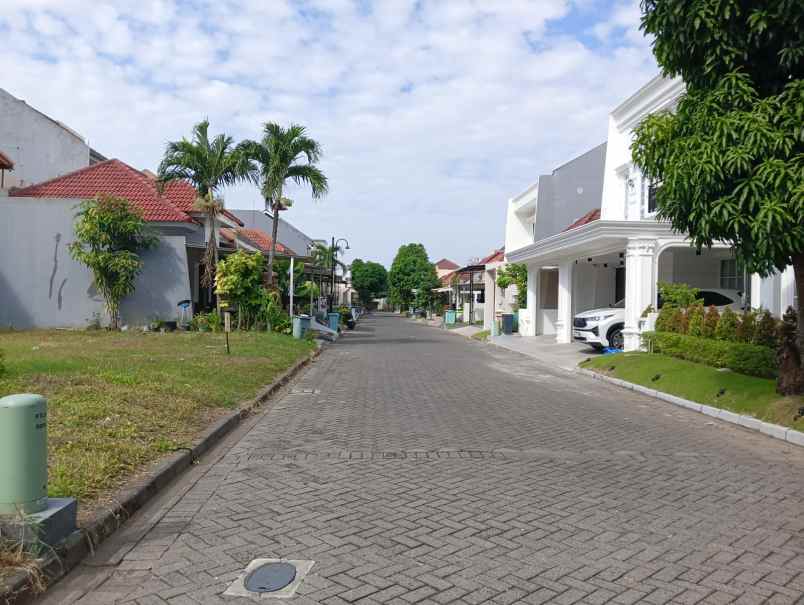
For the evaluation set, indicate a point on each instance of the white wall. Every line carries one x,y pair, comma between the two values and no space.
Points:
40,148
42,286
519,219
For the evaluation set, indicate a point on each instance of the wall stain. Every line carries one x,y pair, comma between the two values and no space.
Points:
55,267
61,291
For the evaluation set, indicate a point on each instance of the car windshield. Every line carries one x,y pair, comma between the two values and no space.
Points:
620,304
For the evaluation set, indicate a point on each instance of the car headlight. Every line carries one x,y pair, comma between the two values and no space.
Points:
597,318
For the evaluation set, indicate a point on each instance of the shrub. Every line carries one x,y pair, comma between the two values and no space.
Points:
207,322
727,326
744,358
746,327
664,319
711,320
766,328
678,321
695,316
677,295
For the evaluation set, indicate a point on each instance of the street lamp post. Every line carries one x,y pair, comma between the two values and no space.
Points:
334,255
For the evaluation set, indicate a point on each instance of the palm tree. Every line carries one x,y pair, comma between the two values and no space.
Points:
284,154
208,166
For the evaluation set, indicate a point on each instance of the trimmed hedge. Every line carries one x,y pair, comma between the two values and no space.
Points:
753,360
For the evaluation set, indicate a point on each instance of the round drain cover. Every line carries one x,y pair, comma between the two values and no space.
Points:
270,577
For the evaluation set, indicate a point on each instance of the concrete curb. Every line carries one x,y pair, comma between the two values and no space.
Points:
776,431
134,495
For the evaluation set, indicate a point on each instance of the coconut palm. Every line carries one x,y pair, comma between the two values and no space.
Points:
208,165
281,155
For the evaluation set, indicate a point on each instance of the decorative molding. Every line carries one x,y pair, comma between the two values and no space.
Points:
660,93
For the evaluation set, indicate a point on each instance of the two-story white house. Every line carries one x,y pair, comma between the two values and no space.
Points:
589,236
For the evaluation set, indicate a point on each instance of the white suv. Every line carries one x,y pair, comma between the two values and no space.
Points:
603,328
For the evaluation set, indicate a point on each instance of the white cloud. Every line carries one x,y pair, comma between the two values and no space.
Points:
431,113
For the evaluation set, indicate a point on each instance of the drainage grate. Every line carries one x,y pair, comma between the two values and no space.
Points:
270,577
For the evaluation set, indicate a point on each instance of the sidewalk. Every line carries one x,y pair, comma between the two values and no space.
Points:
545,349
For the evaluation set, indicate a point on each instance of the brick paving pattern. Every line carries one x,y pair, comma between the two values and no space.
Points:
417,467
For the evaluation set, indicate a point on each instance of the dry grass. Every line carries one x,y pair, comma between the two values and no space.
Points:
14,558
119,401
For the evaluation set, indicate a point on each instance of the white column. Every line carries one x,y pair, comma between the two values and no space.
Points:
640,287
527,316
564,314
490,288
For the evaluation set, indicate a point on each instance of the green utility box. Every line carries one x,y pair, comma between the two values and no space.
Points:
23,454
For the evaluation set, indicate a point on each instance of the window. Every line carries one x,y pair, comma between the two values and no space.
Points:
731,275
652,198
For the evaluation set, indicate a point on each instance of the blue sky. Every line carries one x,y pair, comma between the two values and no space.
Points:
431,113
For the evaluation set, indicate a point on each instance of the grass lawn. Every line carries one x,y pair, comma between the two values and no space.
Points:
118,401
482,336
743,394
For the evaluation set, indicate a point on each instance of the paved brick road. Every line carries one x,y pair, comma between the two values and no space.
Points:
415,466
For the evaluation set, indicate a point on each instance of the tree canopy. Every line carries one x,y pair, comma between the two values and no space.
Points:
729,160
370,279
109,236
412,271
282,155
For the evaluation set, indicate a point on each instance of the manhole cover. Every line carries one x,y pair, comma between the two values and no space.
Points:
270,577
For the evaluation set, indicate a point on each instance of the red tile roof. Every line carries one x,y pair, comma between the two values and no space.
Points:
257,238
263,241
5,162
183,195
587,218
116,178
445,263
495,257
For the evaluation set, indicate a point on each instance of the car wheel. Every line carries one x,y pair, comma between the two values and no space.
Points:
616,338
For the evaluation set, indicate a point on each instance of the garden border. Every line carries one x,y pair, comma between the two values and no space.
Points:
138,492
776,431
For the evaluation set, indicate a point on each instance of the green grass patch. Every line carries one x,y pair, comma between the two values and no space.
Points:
722,389
482,336
118,401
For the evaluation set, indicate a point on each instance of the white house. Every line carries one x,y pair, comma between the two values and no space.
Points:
589,236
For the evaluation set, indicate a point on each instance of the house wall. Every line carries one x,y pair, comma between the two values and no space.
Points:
287,234
41,286
40,147
569,192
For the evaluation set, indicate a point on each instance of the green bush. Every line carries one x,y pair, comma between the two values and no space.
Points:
750,359
677,295
766,329
664,321
695,316
746,327
711,320
678,321
727,326
207,322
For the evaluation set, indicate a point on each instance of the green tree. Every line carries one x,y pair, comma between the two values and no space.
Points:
516,274
239,282
282,155
730,159
412,277
109,236
369,279
208,165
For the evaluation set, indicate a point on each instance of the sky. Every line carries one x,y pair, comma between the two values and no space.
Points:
431,113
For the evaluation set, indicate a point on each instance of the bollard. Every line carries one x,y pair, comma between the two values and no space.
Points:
23,454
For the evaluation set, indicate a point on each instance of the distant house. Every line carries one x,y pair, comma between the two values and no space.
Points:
40,284
287,234
445,266
38,147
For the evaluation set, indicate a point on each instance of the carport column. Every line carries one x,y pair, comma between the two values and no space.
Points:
640,284
527,316
564,314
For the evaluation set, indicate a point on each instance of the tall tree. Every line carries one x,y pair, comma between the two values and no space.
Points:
369,279
208,165
284,154
730,159
109,236
412,277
